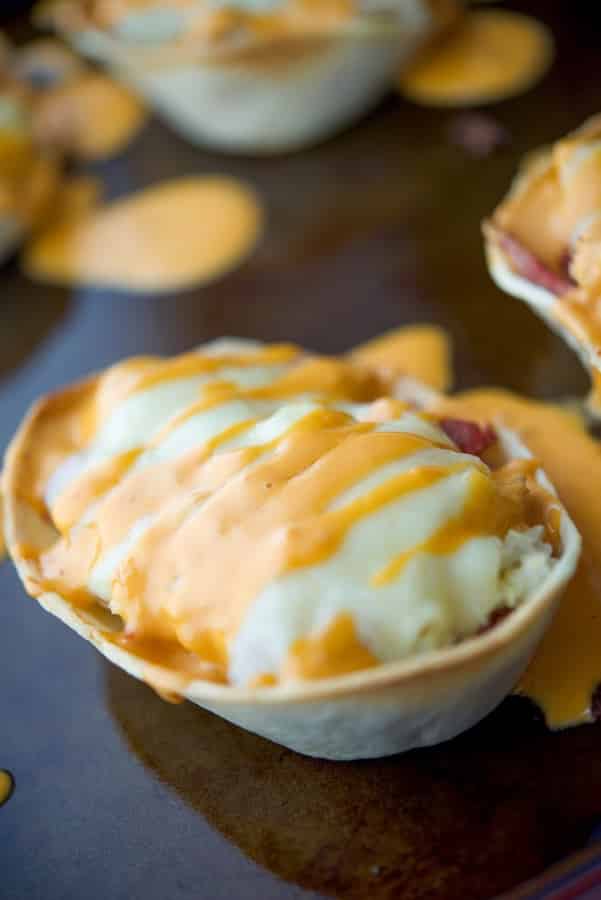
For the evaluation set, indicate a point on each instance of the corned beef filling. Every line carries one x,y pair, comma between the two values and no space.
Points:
533,269
468,436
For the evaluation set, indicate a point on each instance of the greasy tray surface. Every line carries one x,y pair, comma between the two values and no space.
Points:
120,795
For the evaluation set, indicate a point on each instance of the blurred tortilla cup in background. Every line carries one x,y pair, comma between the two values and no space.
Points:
252,81
543,243
330,655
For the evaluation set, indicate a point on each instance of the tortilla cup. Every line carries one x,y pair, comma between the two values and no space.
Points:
392,707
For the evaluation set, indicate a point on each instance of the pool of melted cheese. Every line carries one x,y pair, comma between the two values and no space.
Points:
268,515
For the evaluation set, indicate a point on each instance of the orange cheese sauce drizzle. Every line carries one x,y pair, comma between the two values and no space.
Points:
566,669
212,513
555,212
29,173
552,198
337,650
286,483
77,415
215,507
222,25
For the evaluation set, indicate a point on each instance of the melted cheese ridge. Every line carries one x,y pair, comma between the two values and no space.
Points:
259,510
168,237
566,669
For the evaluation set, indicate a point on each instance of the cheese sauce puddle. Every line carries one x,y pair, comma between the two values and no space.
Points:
168,237
90,116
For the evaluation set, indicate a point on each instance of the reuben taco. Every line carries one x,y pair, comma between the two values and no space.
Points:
288,541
